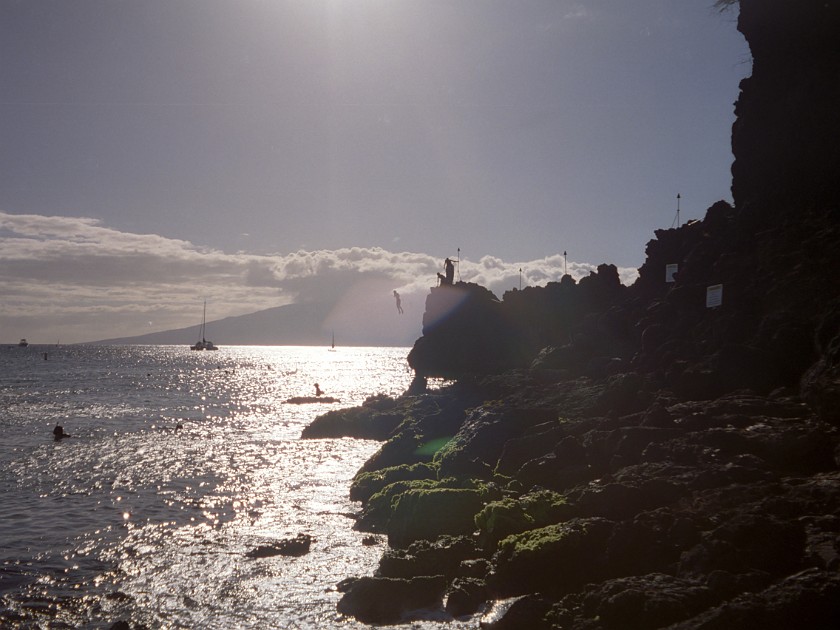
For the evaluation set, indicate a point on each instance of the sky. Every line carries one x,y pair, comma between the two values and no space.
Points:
253,153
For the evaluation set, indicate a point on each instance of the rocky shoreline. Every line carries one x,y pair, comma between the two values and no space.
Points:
709,514
606,456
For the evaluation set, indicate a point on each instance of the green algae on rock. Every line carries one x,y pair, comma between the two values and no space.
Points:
553,558
366,484
427,513
508,516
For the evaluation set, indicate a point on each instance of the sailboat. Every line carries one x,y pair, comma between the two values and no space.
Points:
204,344
332,347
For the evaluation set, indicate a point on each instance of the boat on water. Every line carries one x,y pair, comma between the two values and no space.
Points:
332,347
23,343
204,344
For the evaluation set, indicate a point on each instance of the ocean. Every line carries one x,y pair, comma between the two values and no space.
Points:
179,463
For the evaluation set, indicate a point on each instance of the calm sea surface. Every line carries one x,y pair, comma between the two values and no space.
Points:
135,519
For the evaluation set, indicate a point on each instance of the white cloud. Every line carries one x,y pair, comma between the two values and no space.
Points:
75,279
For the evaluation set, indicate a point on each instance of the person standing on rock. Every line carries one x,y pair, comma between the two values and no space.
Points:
449,278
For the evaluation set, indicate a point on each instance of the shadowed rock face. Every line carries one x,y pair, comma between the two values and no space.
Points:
785,137
631,457
464,330
467,330
379,600
778,291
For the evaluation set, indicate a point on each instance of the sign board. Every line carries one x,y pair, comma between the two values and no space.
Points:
670,270
714,295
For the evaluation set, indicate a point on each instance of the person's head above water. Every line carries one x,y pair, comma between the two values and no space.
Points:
59,433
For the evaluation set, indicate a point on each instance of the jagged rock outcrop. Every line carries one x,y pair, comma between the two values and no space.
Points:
467,330
463,332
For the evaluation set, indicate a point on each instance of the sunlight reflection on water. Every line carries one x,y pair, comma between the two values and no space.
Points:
134,518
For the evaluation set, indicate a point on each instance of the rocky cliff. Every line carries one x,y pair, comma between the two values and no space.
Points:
774,254
660,455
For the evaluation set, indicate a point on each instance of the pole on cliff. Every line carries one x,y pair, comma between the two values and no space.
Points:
677,218
520,278
459,264
565,273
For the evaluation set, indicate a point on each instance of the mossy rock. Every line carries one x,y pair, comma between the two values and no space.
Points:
377,511
379,508
426,513
555,558
366,484
500,519
545,506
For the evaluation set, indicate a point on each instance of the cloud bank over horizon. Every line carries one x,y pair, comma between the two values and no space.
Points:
74,279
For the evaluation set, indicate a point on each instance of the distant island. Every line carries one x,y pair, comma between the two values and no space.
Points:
287,325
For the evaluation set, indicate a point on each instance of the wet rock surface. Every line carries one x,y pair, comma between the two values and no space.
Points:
686,512
380,600
297,546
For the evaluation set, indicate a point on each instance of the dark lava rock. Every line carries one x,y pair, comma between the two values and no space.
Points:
373,422
552,559
647,601
478,445
425,514
449,556
297,546
805,600
464,332
466,596
529,612
379,600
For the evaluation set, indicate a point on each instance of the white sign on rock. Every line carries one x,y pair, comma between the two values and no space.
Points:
714,295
